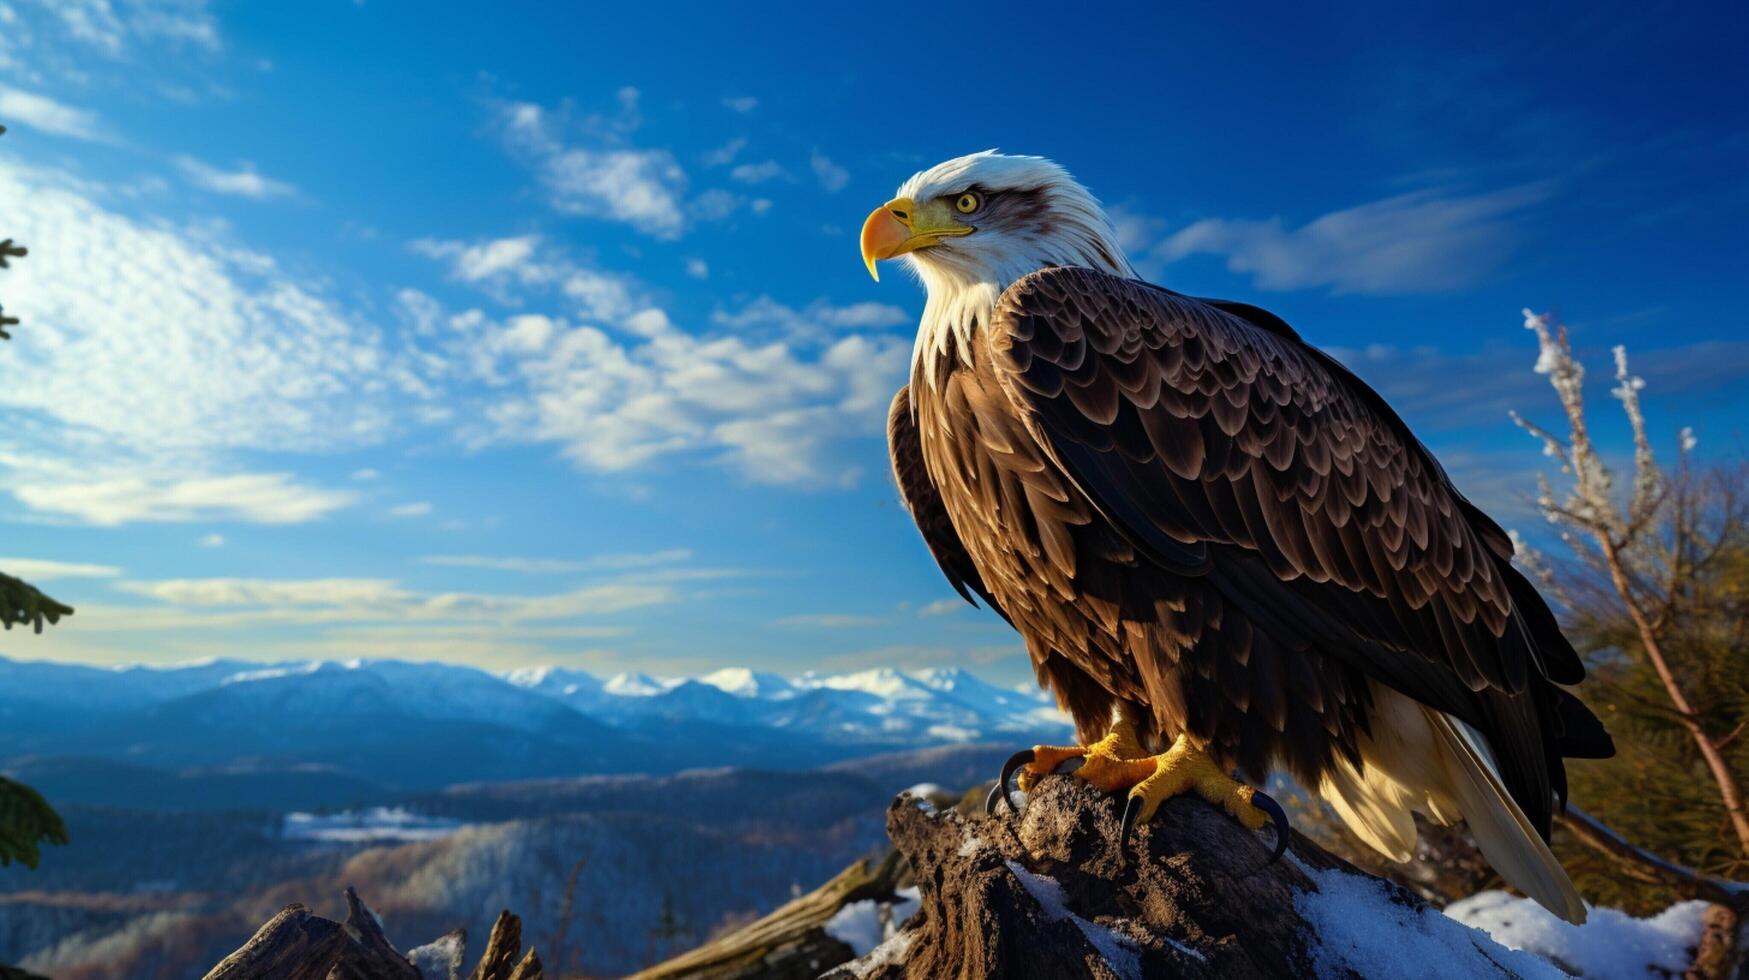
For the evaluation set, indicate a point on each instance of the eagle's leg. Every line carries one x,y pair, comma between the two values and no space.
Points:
1187,767
1115,762
1118,762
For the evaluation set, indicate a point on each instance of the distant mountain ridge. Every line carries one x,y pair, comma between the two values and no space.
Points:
331,730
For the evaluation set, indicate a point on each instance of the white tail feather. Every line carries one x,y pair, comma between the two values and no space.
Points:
1422,759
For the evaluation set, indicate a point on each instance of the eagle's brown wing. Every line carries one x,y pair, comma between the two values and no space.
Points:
924,502
1224,447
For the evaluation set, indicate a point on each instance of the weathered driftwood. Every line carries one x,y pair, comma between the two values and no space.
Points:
298,944
790,943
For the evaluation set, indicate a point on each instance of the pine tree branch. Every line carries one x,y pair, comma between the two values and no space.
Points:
26,821
21,602
1643,866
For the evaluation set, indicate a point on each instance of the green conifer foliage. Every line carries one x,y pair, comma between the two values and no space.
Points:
26,819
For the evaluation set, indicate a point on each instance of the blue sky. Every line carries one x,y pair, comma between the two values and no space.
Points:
539,335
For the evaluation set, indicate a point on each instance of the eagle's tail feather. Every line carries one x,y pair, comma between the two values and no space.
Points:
1500,828
1422,759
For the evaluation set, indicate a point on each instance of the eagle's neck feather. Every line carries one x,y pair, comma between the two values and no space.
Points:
951,317
964,286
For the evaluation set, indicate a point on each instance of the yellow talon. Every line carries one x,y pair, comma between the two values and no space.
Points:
1115,762
1186,767
1118,762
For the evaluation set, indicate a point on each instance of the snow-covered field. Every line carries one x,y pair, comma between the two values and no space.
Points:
373,825
1611,945
1361,928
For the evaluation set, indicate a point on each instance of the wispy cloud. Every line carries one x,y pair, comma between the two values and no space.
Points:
771,398
43,569
759,173
1439,389
644,188
1423,241
549,566
261,498
830,175
241,182
171,351
230,602
831,621
724,155
417,508
741,103
769,317
43,113
942,607
112,28
477,261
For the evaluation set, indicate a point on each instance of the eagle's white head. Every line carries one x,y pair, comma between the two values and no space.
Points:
973,225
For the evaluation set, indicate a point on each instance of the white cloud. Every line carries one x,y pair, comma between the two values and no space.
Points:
223,602
417,508
211,541
639,187
550,566
242,182
261,498
828,621
1422,241
101,25
758,173
152,338
942,607
637,389
831,176
765,316
43,569
496,264
714,204
698,268
724,155
618,386
366,474
741,103
43,38
484,260
44,113
157,354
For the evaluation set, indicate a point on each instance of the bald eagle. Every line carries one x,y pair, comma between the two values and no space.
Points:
1223,550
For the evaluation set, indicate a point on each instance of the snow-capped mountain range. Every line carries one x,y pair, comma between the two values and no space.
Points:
417,725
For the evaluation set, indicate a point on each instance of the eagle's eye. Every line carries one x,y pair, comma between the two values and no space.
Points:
968,203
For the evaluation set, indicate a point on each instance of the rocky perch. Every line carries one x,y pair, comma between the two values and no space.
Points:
1048,893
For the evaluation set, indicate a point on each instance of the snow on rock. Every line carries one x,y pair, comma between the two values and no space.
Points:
868,924
1118,952
1611,945
1362,926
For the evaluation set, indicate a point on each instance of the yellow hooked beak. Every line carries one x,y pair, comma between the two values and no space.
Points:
901,226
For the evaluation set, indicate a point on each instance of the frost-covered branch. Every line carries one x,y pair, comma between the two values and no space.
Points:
1645,573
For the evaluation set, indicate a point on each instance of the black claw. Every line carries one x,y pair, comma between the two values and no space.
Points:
1001,790
1283,831
1130,811
1259,799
